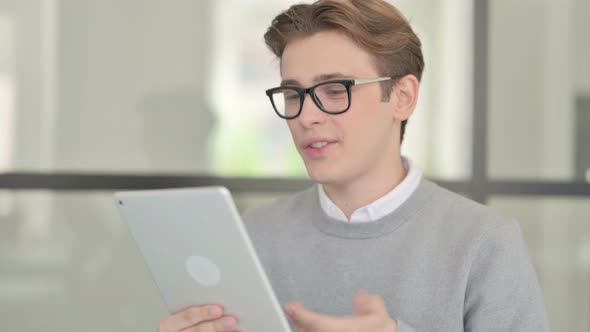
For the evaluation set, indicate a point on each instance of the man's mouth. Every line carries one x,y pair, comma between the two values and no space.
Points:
319,145
317,148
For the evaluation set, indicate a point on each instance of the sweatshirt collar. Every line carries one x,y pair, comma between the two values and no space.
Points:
382,206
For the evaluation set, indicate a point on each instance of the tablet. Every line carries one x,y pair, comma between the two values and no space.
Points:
198,252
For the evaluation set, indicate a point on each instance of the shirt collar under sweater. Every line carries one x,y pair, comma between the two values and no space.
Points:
416,204
382,206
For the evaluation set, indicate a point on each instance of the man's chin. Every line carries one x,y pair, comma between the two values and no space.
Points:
321,175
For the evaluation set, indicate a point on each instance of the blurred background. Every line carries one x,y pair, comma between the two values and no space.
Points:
97,96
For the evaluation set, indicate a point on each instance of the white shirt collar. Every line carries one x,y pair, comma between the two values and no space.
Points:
382,206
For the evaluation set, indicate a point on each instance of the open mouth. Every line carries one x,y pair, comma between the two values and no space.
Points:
318,145
319,148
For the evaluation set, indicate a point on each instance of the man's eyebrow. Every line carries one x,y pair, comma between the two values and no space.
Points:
326,77
317,79
290,83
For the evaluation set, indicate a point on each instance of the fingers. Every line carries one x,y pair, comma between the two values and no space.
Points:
223,324
300,317
305,320
373,311
190,317
371,315
367,304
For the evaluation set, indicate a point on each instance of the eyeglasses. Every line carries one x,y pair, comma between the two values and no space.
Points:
332,97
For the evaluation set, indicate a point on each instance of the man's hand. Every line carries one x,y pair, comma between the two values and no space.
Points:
207,318
370,316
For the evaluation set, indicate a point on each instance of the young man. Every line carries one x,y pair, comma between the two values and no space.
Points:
433,260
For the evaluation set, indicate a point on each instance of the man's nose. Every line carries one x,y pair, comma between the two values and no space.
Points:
311,114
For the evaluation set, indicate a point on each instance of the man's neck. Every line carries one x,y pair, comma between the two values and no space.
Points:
367,188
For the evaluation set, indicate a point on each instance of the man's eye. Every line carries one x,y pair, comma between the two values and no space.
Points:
336,92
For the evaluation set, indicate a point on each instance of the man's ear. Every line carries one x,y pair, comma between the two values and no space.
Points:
405,97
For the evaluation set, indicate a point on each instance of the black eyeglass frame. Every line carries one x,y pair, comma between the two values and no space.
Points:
311,91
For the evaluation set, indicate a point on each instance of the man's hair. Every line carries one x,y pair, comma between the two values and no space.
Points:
375,25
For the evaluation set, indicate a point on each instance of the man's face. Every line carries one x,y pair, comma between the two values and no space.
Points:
361,141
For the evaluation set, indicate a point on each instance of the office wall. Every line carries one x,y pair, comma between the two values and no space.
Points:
538,72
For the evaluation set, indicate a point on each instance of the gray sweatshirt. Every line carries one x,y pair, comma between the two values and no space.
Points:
440,261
